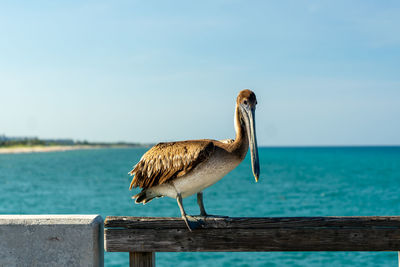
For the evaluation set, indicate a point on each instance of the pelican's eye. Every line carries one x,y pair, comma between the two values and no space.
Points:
245,102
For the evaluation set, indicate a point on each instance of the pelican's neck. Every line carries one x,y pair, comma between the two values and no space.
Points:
241,143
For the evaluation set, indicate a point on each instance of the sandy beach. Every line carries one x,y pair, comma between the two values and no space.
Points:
37,149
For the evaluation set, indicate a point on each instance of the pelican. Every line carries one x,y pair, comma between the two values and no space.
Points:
181,169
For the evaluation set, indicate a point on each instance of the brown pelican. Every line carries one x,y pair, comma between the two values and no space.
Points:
181,169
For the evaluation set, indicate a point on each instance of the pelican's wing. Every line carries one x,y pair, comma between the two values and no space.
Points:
166,161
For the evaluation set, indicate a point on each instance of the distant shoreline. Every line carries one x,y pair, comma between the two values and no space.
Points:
56,148
38,149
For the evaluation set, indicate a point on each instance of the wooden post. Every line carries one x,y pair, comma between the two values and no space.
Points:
141,259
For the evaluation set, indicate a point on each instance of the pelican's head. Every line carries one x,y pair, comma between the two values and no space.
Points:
246,101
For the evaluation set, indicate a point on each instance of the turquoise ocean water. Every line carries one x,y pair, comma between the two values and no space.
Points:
293,182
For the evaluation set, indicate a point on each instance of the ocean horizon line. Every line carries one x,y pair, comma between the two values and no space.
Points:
330,146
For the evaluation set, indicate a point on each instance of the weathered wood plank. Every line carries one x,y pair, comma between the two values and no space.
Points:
250,240
253,222
141,259
254,234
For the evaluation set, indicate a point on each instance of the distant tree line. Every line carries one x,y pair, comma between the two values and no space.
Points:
21,142
34,141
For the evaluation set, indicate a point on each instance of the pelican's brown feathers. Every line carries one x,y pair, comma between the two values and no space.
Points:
166,161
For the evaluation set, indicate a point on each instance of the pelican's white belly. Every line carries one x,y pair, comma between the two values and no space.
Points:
203,176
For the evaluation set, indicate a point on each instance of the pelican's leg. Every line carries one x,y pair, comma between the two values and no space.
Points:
201,204
203,212
190,221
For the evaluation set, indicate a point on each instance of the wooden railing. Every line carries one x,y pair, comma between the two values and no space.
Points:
143,236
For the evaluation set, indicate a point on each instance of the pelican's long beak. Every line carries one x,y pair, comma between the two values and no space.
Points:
249,119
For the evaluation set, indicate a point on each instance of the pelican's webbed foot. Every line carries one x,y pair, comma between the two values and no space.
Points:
193,222
213,216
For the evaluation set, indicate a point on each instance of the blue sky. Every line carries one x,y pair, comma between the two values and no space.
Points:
324,72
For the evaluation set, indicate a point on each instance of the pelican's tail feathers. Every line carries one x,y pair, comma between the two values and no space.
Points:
143,197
